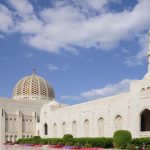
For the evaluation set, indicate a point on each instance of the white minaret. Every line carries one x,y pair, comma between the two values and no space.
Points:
148,52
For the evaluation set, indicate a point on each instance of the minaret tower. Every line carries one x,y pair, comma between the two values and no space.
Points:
148,52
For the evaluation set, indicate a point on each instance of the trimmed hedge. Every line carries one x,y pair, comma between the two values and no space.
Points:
121,138
33,140
134,144
67,138
95,142
86,142
140,141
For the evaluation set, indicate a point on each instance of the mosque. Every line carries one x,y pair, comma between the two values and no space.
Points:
33,111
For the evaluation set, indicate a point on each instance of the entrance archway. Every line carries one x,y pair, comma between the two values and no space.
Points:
145,120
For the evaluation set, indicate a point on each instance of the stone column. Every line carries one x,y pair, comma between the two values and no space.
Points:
19,124
34,121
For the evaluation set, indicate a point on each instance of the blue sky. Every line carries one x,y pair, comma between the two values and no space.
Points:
86,49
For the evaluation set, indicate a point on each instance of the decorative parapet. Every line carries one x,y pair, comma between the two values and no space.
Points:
22,101
101,101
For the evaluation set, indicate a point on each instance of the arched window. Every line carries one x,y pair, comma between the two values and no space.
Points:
86,128
148,90
55,129
118,122
45,129
6,124
143,92
145,120
63,128
11,138
101,127
6,138
74,128
38,119
15,138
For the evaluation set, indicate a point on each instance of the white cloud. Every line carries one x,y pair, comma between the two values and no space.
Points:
65,27
63,67
126,51
138,58
70,97
98,5
22,7
108,90
6,21
68,27
30,26
53,67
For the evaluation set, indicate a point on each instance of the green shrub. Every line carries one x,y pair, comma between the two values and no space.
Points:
67,137
140,141
36,137
95,142
88,145
132,147
147,147
44,141
54,141
60,143
77,144
70,143
121,138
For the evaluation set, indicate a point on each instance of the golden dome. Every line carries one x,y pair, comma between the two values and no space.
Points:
33,87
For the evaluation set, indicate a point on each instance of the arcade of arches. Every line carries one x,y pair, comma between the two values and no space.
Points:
118,123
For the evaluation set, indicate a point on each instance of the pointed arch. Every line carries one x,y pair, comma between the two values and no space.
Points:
101,127
55,130
143,92
45,129
74,128
86,127
148,90
118,122
63,128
